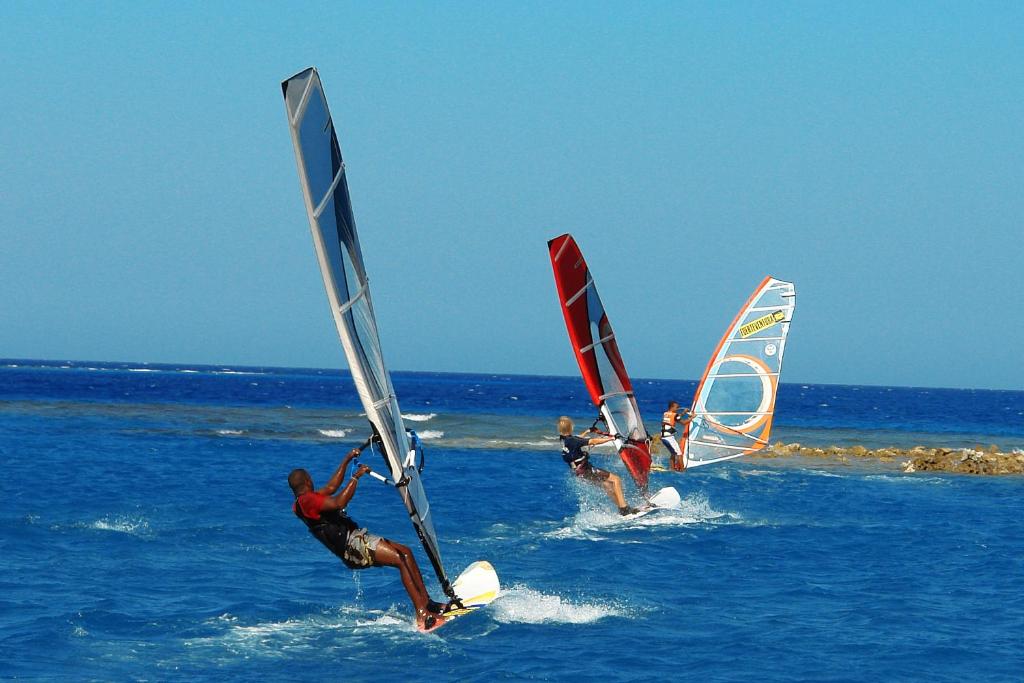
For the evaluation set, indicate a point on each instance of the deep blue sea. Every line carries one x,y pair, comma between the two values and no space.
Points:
146,534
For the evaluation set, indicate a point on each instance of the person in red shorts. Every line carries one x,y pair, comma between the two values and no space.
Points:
323,512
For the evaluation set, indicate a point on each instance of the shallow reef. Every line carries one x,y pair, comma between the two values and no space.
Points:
978,460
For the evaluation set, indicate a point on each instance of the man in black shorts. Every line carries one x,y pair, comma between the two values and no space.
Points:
576,456
324,514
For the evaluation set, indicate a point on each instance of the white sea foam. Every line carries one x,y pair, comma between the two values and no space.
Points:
418,417
230,432
513,444
142,370
822,473
428,434
521,604
276,639
760,473
135,526
268,639
594,523
335,433
235,372
903,479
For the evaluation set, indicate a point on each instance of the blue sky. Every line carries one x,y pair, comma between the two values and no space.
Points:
873,154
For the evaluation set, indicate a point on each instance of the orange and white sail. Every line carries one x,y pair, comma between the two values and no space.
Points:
735,400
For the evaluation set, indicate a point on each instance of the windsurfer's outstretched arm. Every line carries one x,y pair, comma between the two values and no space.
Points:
341,501
339,475
575,455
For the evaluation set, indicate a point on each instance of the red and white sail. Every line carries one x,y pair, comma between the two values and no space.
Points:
593,343
735,400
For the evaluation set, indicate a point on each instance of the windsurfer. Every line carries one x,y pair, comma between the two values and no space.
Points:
576,455
323,512
670,419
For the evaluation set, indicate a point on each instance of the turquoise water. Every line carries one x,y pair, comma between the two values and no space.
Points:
145,533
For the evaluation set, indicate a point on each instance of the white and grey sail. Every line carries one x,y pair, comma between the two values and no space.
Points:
325,191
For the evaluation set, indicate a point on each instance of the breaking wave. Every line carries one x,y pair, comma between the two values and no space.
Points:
418,417
524,605
335,433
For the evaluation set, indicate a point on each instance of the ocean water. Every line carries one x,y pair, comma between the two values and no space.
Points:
146,533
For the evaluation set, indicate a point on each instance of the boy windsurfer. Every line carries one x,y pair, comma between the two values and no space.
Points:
576,455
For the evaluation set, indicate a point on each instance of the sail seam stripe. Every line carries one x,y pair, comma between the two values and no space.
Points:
301,109
343,309
588,347
739,412
767,308
578,294
330,192
725,445
612,394
384,401
565,243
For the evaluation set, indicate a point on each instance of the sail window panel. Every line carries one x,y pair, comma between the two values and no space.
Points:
710,445
395,417
341,206
320,153
394,437
296,85
425,521
581,335
610,380
770,355
596,317
710,442
775,297
606,355
734,395
340,233
337,262
624,414
365,342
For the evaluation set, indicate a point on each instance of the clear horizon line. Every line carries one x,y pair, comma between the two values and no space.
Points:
468,372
